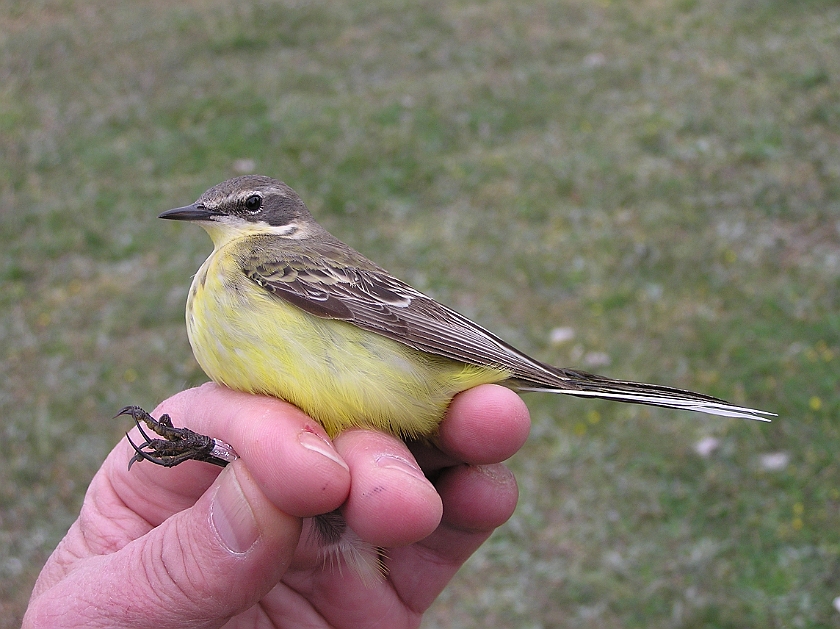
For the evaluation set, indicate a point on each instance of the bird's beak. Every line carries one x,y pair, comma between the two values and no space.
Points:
188,213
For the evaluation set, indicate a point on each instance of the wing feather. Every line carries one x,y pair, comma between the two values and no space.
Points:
361,293
330,280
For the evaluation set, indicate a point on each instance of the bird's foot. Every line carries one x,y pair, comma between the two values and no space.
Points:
177,444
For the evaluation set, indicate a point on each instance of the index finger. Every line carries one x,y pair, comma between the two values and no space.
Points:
288,453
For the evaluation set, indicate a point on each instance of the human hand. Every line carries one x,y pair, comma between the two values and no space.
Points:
193,546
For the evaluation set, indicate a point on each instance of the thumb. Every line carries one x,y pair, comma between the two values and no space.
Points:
206,564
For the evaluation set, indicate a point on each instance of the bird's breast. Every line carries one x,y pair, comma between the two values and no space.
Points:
341,375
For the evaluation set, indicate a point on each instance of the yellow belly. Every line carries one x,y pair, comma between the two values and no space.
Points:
340,375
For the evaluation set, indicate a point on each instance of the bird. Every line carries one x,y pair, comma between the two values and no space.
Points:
283,308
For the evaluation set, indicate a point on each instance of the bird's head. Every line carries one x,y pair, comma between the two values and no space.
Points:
252,204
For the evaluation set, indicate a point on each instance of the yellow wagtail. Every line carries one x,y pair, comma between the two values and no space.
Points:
283,308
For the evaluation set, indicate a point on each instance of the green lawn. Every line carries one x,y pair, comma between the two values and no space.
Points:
661,176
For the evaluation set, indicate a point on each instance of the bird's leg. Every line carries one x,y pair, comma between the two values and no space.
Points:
177,445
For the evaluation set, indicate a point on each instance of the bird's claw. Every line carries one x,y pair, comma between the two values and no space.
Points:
176,445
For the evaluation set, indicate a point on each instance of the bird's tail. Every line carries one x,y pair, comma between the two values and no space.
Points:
583,384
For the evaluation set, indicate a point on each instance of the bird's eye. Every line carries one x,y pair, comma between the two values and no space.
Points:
253,203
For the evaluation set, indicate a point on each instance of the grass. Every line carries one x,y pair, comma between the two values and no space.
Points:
663,176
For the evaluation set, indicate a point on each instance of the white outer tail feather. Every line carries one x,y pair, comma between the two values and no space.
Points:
684,404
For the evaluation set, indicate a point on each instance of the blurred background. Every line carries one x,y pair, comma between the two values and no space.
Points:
649,189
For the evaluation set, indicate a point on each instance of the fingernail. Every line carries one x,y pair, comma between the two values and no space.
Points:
314,442
231,515
394,462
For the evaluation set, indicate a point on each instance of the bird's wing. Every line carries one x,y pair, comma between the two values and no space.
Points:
351,288
372,299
